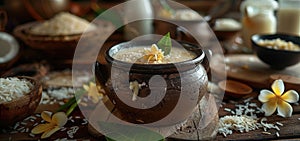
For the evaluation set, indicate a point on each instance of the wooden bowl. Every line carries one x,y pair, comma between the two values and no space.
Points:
49,44
61,45
22,107
235,89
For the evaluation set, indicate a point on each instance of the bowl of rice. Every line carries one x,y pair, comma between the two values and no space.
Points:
277,50
19,98
58,35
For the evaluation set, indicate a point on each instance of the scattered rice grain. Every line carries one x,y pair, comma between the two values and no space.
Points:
277,128
22,131
31,135
279,123
23,123
85,121
267,133
72,131
63,129
35,124
19,129
16,125
227,109
248,99
265,129
253,105
14,132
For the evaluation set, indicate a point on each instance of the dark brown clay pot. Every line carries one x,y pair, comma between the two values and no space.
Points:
22,107
170,92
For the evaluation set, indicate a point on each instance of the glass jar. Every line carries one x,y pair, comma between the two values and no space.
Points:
257,18
139,16
288,17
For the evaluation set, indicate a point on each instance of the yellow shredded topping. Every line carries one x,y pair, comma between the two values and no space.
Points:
154,55
278,99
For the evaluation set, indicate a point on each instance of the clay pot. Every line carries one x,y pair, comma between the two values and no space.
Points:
169,92
22,107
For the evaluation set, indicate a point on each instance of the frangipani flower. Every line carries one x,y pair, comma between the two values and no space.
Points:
154,55
278,99
94,93
57,121
134,86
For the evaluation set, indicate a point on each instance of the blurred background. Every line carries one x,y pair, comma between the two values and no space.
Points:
22,11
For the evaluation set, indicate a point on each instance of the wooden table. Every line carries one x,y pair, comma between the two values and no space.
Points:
289,130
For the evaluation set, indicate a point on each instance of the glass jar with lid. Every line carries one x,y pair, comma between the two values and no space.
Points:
257,17
288,17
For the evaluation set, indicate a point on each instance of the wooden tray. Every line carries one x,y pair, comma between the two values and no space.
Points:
249,69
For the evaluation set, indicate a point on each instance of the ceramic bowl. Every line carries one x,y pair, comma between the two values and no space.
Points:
22,107
276,59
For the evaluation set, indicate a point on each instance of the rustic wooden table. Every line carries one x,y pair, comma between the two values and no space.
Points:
78,128
289,130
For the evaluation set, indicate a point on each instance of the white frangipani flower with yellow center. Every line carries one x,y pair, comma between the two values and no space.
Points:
95,93
154,54
55,123
278,99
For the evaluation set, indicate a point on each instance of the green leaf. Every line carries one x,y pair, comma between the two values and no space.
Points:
66,105
167,7
109,15
78,93
165,44
121,132
73,106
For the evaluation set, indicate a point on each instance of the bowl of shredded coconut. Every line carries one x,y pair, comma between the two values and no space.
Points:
19,97
61,33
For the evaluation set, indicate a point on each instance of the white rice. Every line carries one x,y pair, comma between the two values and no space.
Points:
13,87
63,24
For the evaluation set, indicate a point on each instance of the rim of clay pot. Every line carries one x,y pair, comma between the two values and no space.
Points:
155,68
